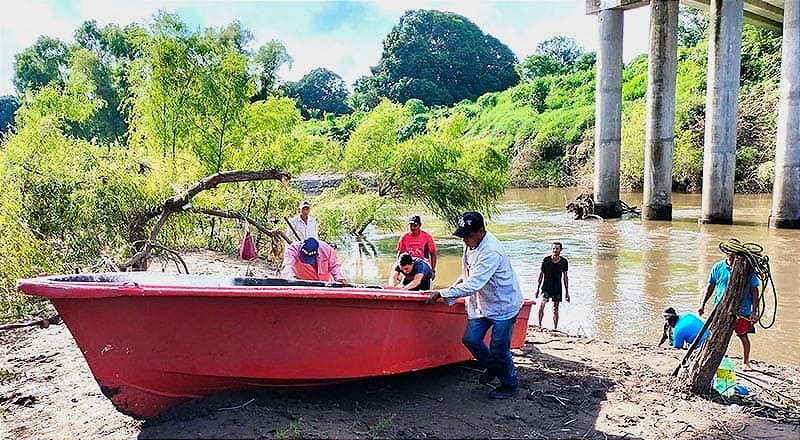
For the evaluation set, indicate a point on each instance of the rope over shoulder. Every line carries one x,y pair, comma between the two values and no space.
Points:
759,261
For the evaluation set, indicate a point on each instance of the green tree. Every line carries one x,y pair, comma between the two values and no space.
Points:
77,198
692,26
115,50
162,79
442,58
46,62
366,93
761,54
8,105
193,88
108,124
223,91
537,66
539,94
585,62
565,50
318,92
438,168
265,65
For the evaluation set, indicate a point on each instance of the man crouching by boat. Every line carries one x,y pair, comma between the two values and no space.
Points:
493,299
313,260
411,273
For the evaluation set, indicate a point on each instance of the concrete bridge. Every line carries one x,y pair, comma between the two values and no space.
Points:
724,59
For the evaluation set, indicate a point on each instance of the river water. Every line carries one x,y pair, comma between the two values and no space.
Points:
622,272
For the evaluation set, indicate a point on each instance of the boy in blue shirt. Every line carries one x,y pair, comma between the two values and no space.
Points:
684,328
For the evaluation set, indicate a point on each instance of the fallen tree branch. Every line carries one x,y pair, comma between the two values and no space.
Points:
180,203
171,255
42,323
243,217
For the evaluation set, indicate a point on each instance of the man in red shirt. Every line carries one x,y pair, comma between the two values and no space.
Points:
418,243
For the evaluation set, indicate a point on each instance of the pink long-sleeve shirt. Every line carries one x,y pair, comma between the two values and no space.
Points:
327,267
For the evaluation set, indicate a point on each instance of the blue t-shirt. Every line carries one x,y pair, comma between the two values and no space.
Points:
419,266
720,274
686,329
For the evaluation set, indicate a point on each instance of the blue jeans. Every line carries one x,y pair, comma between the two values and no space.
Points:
497,356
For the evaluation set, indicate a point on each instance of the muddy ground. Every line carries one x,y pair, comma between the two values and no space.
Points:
571,387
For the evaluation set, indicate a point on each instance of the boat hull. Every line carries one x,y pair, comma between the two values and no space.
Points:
153,342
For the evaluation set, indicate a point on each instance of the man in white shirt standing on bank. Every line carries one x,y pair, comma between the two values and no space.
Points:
493,300
303,224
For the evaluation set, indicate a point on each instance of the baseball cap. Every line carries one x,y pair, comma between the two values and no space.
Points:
303,204
414,219
308,251
469,222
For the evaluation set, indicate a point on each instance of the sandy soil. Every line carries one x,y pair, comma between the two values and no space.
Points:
571,387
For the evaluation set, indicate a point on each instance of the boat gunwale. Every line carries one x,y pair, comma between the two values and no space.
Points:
55,287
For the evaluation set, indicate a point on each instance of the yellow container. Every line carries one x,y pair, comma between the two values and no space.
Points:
725,380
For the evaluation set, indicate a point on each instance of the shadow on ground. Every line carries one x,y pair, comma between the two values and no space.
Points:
557,399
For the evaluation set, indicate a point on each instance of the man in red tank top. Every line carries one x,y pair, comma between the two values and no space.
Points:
418,243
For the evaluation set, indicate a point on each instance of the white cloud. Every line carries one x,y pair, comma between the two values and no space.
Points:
17,33
350,56
117,12
340,57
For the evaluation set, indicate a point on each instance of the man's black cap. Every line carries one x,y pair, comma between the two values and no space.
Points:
469,222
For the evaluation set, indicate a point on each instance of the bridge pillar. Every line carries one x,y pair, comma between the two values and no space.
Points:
608,114
660,125
722,96
786,190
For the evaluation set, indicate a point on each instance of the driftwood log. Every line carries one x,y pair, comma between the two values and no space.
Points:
42,323
181,203
697,375
583,208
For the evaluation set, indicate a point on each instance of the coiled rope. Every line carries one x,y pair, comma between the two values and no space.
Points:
759,261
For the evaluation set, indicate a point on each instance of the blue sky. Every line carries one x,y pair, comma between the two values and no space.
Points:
343,36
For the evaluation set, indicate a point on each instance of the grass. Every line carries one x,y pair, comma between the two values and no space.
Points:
377,430
296,429
7,375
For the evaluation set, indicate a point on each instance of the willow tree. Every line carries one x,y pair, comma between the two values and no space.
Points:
441,169
65,200
162,81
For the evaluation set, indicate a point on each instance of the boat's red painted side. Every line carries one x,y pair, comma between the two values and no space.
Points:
152,342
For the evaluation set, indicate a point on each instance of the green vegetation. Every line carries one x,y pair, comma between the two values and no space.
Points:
319,92
195,103
439,58
7,375
297,429
376,431
108,127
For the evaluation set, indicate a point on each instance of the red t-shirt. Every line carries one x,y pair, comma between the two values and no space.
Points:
421,246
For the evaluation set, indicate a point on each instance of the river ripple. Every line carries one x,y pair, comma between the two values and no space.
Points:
624,272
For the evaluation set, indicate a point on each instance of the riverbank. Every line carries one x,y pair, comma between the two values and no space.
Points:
571,387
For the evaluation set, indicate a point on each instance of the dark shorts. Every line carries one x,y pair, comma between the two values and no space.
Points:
743,327
555,297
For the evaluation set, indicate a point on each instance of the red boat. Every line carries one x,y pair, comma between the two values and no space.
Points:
155,340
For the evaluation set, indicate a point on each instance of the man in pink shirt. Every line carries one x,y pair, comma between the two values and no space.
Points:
418,243
313,260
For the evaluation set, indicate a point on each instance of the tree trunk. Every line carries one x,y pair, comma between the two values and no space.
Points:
696,377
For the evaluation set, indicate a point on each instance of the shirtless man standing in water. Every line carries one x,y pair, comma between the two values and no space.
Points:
552,267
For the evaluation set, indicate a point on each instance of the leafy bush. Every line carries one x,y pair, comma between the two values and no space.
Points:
632,149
